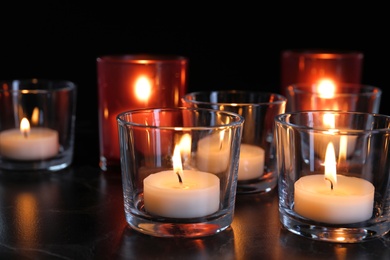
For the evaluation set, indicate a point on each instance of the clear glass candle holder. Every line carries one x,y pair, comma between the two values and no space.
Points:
37,124
179,170
134,81
334,182
257,157
332,96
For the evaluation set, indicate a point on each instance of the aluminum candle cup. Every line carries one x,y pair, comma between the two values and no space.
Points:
166,191
339,195
37,120
331,96
312,66
257,157
128,82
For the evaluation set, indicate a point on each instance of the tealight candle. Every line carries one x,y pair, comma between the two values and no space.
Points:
251,163
196,196
310,66
332,198
129,82
181,193
37,143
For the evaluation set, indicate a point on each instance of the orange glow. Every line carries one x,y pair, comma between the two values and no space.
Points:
221,137
330,164
185,144
143,89
25,126
35,116
329,120
326,88
26,219
343,148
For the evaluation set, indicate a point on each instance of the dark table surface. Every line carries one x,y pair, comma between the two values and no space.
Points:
77,213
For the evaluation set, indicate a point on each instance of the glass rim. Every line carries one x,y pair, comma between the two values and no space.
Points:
36,86
343,88
142,58
323,54
280,99
238,120
281,119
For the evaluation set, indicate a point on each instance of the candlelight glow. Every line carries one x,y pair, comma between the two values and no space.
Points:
25,126
343,148
329,120
35,116
143,89
221,137
326,88
26,214
330,164
185,144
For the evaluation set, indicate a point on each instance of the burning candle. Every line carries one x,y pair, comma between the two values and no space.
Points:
181,193
36,143
333,198
310,66
251,163
128,82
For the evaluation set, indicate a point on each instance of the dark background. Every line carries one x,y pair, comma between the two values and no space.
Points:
233,46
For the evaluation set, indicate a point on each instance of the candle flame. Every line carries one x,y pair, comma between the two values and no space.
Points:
25,126
330,164
143,89
185,145
221,137
343,148
177,164
35,116
326,88
329,120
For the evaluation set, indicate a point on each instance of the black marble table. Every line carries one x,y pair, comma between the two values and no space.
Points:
77,213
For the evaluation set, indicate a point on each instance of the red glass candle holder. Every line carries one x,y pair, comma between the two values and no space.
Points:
312,66
127,82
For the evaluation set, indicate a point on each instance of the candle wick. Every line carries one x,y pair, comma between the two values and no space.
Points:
220,146
178,175
25,133
331,183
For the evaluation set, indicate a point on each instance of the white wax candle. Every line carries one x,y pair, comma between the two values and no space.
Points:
41,143
213,154
350,201
251,163
197,196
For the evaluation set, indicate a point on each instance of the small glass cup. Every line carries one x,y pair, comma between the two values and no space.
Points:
334,182
257,157
330,96
128,82
313,65
179,170
37,124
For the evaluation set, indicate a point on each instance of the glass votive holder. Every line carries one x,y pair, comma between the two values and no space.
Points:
257,154
329,96
334,182
127,82
313,65
166,194
37,124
